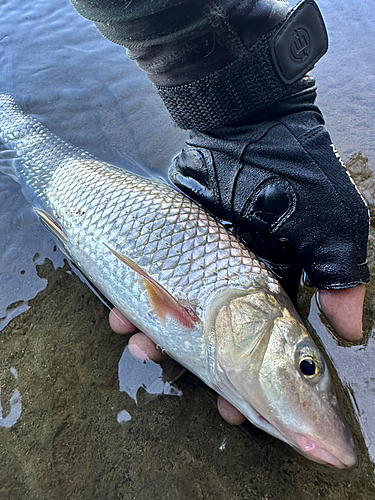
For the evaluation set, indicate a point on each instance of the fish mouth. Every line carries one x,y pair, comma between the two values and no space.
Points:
317,452
345,457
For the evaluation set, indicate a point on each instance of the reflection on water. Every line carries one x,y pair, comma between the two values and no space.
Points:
23,245
15,405
345,76
60,355
85,90
123,416
136,377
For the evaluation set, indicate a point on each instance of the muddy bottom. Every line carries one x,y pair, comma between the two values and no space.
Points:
62,359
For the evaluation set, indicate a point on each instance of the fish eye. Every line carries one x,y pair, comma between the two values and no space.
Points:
309,363
308,366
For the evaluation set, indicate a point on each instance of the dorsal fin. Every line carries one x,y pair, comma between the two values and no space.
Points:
52,224
163,303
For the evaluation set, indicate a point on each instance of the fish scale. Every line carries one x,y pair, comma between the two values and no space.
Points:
185,280
85,194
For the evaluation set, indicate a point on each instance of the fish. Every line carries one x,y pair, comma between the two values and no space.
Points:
186,281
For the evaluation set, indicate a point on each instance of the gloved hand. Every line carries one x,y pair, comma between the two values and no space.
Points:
282,185
286,193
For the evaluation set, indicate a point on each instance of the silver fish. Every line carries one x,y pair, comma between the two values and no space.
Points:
185,281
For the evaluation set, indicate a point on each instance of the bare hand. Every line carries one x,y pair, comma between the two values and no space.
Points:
142,348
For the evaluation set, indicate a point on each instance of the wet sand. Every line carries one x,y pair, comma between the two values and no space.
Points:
67,442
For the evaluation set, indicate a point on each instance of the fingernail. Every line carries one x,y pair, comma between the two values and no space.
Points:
317,298
137,353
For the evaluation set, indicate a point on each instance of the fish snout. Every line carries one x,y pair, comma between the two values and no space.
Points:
341,457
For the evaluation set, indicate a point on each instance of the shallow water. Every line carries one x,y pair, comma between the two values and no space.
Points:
84,89
69,425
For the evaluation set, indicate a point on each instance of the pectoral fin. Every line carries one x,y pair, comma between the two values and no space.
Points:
163,303
52,224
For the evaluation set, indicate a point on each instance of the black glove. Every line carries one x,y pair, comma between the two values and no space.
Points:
282,185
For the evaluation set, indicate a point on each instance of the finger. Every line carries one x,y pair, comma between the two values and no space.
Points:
119,323
229,413
344,310
144,349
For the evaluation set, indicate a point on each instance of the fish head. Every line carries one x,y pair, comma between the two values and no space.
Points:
271,370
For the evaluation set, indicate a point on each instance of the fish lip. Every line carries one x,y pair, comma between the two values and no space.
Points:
312,449
317,452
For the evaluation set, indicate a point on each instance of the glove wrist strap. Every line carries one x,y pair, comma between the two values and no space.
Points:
268,71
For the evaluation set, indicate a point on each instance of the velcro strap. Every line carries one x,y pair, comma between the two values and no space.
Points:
253,81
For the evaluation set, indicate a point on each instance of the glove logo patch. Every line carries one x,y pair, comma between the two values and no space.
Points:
299,45
300,42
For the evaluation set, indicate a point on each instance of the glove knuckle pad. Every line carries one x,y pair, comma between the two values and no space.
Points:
271,204
192,171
